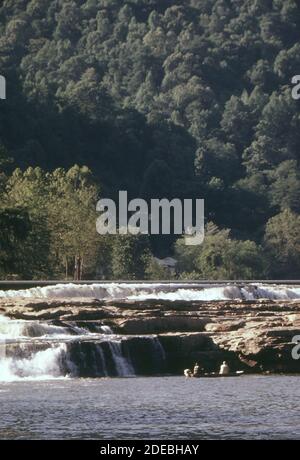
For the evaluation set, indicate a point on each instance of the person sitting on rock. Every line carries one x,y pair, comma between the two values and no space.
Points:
197,370
224,369
187,373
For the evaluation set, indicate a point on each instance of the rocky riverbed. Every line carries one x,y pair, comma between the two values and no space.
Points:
254,335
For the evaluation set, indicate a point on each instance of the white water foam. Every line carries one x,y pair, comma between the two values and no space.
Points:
271,292
182,294
47,364
104,330
54,361
249,292
42,365
159,291
20,329
123,365
13,329
71,290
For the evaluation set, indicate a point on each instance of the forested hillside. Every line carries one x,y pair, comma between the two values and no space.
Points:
163,98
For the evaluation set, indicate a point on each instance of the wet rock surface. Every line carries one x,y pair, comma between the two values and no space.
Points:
254,335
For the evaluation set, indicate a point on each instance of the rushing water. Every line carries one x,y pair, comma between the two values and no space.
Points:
251,407
171,291
43,350
42,394
40,350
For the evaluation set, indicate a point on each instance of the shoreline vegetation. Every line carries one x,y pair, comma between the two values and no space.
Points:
163,99
39,241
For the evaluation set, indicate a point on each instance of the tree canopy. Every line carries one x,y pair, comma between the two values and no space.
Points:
168,98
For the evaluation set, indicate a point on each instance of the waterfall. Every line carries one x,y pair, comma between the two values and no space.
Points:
41,350
160,291
41,365
123,364
32,349
10,329
104,329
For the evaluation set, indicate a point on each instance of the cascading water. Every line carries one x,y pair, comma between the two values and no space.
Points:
40,350
40,365
45,349
160,291
123,364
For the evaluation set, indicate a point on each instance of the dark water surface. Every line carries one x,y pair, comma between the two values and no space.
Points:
249,407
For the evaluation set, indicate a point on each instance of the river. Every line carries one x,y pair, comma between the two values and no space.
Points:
249,407
43,394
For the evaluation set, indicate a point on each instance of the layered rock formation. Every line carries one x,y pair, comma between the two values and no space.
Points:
252,335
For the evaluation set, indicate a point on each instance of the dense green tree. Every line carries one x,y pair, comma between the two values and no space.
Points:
282,240
157,97
14,228
156,271
62,211
73,231
218,159
131,257
236,122
221,257
285,187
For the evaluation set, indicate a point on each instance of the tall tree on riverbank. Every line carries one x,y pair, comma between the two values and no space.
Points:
14,229
282,240
71,215
131,257
62,210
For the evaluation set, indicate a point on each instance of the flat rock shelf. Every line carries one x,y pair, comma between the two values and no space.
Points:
155,336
